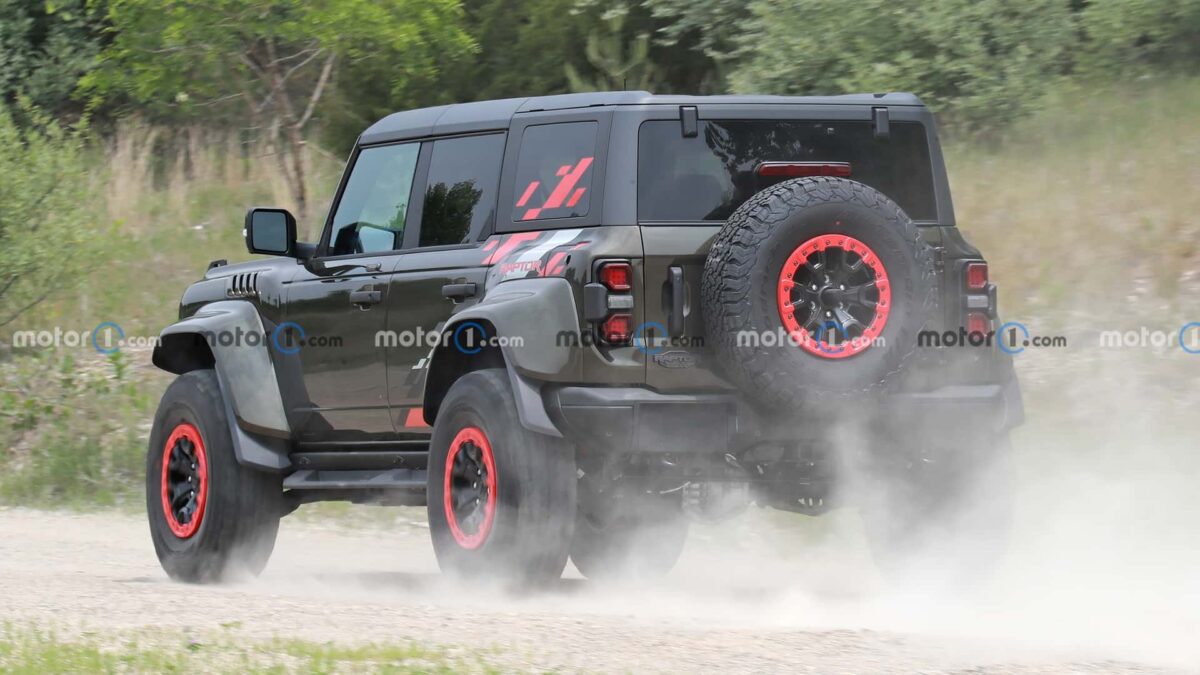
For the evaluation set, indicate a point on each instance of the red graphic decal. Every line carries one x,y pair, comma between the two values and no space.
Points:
527,193
575,197
415,419
555,266
513,241
568,178
567,184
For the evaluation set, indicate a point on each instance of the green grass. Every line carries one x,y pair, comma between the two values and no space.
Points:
36,652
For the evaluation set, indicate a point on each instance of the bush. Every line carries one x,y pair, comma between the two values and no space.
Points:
979,62
73,428
44,210
1135,33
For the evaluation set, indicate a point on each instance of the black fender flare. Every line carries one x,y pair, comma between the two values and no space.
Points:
229,337
529,318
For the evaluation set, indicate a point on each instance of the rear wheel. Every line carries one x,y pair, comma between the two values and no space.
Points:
501,498
945,514
210,517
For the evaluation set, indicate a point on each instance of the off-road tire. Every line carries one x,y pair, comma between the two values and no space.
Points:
742,279
236,529
631,539
528,536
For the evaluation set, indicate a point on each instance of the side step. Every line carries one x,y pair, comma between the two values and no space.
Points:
386,479
386,487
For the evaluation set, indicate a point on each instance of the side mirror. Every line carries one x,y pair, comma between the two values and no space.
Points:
270,231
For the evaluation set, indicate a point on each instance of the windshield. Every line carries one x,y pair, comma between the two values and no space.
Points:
706,177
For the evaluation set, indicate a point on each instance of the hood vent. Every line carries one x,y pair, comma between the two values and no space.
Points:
243,285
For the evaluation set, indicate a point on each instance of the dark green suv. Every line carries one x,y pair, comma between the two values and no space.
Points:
571,325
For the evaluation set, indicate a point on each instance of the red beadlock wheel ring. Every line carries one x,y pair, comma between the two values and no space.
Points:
834,283
184,480
469,489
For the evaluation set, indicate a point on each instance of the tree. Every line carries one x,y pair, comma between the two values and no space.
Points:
273,61
618,61
980,62
711,27
44,195
1136,33
45,47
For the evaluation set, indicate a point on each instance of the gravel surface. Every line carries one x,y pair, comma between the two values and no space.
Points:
738,603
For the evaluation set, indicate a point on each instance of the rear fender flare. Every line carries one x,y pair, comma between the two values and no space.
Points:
529,318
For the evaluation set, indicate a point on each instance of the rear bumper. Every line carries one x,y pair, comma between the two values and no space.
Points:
640,420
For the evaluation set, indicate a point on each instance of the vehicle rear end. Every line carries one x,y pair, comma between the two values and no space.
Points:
691,179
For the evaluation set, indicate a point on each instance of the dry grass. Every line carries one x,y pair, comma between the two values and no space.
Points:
171,202
1088,211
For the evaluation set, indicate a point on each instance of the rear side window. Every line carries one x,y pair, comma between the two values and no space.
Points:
554,171
460,197
708,176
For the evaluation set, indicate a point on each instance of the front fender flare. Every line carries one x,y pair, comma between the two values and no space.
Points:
240,347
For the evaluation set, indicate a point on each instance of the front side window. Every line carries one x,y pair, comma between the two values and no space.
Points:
370,216
460,200
554,171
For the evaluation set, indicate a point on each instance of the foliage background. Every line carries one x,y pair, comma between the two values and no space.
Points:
133,134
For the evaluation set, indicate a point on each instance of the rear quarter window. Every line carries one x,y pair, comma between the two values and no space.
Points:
554,171
706,177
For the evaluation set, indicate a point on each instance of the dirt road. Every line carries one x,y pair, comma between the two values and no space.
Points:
737,604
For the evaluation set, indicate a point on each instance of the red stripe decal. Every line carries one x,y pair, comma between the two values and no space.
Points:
554,268
531,214
528,193
562,170
567,184
415,419
513,241
575,196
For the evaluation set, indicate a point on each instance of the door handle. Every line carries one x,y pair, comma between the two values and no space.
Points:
459,292
365,297
675,319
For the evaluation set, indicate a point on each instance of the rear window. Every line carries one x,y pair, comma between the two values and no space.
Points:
554,171
710,175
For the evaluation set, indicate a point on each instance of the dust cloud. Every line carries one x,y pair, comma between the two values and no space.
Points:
1103,562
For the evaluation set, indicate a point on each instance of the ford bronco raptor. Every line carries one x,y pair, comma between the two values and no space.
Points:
571,325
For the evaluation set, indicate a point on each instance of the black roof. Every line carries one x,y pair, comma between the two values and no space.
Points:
448,119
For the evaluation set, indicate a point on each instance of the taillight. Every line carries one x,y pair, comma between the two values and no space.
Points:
803,169
616,276
617,329
978,323
977,276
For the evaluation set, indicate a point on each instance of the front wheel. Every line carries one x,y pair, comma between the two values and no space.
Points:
210,517
501,497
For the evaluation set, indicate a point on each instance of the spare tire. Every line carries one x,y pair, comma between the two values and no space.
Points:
815,290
